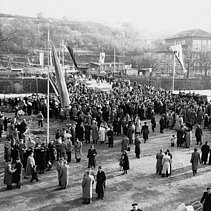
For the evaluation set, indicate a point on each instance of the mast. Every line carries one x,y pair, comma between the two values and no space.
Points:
174,63
48,134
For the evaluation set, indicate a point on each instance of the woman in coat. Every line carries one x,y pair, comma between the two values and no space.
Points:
78,150
64,177
30,166
166,165
8,171
88,181
126,165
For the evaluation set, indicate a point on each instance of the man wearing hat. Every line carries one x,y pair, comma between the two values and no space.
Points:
135,207
18,171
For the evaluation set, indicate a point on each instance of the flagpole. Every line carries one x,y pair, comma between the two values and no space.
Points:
48,91
173,72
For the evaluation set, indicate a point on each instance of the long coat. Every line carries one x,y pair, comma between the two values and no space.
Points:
64,176
78,150
126,165
87,183
166,164
95,135
8,174
137,146
91,156
101,178
17,174
206,198
145,131
195,159
159,158
205,149
30,165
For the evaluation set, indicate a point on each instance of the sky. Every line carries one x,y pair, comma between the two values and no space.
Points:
153,16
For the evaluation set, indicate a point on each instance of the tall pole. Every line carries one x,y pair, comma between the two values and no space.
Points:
48,91
114,61
174,64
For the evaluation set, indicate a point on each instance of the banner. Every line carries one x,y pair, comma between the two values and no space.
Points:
177,49
72,55
41,55
102,58
62,88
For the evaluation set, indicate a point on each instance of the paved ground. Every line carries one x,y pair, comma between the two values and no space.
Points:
141,184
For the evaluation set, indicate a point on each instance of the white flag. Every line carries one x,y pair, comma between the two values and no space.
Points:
102,58
177,49
41,58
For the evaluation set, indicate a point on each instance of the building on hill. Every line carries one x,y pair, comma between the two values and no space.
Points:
196,45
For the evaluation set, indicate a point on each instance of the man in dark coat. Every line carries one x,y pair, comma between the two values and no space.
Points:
100,185
145,131
198,134
153,122
206,200
17,174
137,146
195,159
126,165
162,124
110,135
88,129
180,134
91,156
205,149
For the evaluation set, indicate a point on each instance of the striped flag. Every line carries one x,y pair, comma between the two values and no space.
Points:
62,88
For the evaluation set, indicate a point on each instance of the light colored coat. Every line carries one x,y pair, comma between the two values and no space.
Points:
166,164
64,175
30,165
87,183
78,150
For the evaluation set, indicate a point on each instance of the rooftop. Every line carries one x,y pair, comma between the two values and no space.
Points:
191,33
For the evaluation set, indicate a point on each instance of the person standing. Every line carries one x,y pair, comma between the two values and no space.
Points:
100,185
153,123
159,158
137,146
126,165
95,135
87,186
8,174
64,176
145,131
78,150
198,134
124,143
88,129
205,149
110,135
206,200
162,124
40,118
91,156
180,134
18,172
59,170
166,165
195,159
69,149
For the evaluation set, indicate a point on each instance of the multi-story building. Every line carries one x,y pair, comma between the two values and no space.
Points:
196,45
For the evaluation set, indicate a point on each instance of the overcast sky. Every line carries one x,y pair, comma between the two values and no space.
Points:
156,16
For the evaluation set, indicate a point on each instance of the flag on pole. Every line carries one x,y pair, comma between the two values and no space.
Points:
102,58
41,58
72,55
177,49
62,88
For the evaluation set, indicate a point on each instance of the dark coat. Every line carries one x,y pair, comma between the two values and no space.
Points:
195,159
17,174
137,146
145,131
126,165
198,134
206,198
91,156
205,149
101,178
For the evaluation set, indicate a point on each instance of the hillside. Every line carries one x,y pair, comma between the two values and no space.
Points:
24,35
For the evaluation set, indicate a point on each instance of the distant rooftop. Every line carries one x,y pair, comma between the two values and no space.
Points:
191,33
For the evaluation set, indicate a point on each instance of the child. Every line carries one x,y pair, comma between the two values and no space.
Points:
173,139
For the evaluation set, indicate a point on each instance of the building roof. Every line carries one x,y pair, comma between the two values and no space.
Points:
191,33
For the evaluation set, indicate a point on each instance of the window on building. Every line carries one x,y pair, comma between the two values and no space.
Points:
197,45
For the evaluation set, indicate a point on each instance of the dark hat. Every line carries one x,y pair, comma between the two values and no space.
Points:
134,204
17,158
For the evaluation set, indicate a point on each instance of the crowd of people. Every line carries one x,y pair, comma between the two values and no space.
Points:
95,118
